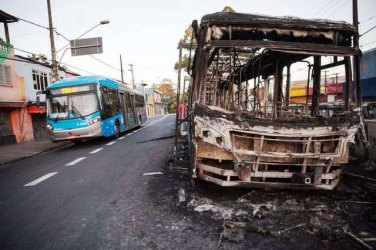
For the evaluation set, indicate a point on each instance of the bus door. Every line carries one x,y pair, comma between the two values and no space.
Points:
134,106
124,109
129,110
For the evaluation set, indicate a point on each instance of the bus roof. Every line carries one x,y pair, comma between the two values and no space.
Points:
93,79
80,80
243,19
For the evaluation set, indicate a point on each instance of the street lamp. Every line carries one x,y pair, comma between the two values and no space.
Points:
100,23
65,49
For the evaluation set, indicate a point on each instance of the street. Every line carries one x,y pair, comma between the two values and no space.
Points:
96,196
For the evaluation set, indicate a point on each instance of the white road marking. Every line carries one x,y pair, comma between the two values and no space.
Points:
157,120
121,138
75,161
110,143
130,133
44,177
96,151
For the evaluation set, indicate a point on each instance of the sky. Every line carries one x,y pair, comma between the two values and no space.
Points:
146,32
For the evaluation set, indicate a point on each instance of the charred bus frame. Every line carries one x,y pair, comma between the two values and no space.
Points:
244,131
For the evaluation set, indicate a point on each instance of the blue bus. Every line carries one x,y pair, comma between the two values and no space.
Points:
92,106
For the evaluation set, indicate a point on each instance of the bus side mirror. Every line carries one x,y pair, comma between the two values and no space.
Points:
37,102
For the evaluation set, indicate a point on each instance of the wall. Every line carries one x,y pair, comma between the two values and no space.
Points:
25,70
11,93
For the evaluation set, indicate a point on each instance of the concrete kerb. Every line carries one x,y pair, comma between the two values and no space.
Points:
25,152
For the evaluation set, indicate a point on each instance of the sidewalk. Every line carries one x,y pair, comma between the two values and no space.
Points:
14,152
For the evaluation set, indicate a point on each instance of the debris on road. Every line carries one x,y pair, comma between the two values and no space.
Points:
181,195
153,173
365,245
289,216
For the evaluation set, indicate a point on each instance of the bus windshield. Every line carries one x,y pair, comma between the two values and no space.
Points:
72,106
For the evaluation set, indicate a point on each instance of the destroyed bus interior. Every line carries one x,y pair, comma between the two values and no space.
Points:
245,129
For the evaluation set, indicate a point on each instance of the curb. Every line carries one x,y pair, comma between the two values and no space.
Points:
36,153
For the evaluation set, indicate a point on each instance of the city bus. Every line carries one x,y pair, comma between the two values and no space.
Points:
244,128
92,106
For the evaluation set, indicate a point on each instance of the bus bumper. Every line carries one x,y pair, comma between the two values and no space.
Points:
75,134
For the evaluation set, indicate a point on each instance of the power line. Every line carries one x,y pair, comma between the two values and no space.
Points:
19,60
30,22
59,34
330,7
368,19
31,53
74,67
25,51
323,8
371,42
108,65
368,31
340,7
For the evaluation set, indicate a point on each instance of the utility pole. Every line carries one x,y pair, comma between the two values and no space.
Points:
153,99
54,66
356,59
131,70
336,87
121,69
326,87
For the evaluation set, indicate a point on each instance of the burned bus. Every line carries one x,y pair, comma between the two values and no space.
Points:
244,130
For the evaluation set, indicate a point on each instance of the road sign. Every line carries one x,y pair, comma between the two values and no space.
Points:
87,46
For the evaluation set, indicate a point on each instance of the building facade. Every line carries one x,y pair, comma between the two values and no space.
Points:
154,102
20,79
36,76
15,125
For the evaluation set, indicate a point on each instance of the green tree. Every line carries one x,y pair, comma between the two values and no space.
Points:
169,95
44,59
183,64
40,58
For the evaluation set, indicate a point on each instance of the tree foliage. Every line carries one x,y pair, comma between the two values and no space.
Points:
187,35
169,95
183,64
44,59
40,58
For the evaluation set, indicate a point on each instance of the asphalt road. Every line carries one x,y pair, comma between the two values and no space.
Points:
95,196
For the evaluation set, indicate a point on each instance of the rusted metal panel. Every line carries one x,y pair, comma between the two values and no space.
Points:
210,151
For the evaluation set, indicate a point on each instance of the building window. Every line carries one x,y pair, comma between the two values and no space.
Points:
5,75
39,80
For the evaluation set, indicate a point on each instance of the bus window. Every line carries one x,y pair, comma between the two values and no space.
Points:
128,103
106,112
114,107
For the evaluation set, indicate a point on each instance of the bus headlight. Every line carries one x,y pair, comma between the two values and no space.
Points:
49,127
92,121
